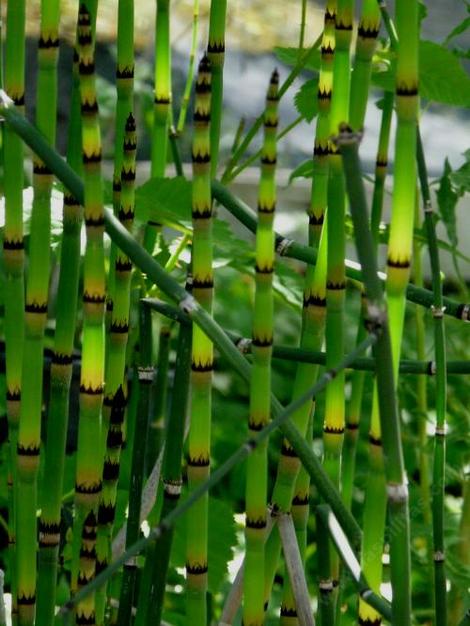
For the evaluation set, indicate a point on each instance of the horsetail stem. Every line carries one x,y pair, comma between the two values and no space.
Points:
89,463
314,302
368,31
202,350
162,104
61,374
216,55
85,613
318,199
115,400
156,428
375,493
145,377
124,107
172,480
260,387
13,256
29,435
357,386
189,79
333,429
396,488
440,585
398,270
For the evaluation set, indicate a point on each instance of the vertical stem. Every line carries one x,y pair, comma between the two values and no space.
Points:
387,370
157,423
29,435
159,556
440,583
375,496
369,26
145,375
334,420
162,104
260,387
189,79
89,459
61,375
124,106
314,304
202,351
115,400
216,54
13,255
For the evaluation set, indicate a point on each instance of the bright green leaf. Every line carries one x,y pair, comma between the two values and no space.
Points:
165,200
306,100
441,76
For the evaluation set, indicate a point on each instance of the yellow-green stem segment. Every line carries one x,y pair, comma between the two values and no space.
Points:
202,351
260,388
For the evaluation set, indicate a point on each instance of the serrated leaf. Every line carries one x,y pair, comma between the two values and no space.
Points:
306,101
222,539
447,199
165,200
441,76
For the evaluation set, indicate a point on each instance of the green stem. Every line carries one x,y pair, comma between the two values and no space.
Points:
260,387
440,584
159,554
396,487
216,55
202,350
145,374
190,76
13,256
61,375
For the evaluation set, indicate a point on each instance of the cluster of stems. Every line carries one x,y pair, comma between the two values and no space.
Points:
155,420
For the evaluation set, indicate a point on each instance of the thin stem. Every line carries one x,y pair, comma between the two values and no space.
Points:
189,79
440,584
216,55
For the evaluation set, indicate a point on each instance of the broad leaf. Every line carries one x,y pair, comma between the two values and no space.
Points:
441,76
447,199
165,200
306,100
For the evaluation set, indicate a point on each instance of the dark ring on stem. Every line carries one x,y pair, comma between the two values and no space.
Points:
196,570
85,620
127,72
256,524
59,358
201,461
111,470
106,513
86,68
88,490
201,158
114,439
300,500
26,600
13,244
288,611
313,300
288,451
36,307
